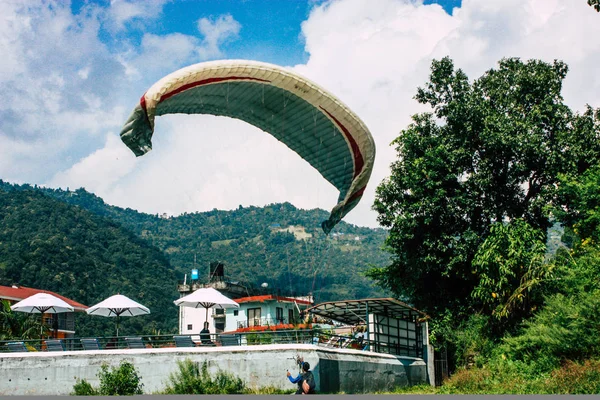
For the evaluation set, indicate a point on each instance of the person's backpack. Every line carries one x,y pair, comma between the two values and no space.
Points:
308,384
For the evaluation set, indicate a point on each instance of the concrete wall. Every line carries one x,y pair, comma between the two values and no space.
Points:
335,370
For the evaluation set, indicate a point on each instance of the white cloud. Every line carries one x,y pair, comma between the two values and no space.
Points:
99,171
48,103
159,55
216,31
122,12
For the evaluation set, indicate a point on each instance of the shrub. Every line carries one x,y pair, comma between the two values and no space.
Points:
259,338
191,379
472,381
565,329
121,381
465,341
84,388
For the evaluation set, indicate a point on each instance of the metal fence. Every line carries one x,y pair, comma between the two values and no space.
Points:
306,336
441,371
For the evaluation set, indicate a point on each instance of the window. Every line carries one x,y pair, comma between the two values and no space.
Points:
189,327
291,318
235,313
279,315
254,316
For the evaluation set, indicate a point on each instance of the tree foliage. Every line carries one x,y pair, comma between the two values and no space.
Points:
489,152
579,207
595,4
14,325
510,264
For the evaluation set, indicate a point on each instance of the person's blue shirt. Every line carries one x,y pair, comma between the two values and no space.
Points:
296,379
299,377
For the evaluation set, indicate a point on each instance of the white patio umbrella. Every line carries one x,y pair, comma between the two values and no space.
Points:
118,306
206,298
42,303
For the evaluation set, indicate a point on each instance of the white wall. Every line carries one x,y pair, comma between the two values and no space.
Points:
195,317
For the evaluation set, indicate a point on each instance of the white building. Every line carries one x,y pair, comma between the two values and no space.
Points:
254,311
265,310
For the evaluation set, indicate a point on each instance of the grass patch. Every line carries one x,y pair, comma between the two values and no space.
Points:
517,378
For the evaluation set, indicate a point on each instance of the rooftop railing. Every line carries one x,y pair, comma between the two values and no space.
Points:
305,336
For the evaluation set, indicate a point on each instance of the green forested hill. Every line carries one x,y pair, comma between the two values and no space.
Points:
51,245
254,245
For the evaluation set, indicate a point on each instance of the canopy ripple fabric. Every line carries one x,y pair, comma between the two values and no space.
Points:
297,112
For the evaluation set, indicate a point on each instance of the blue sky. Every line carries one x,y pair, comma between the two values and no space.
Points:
72,72
270,29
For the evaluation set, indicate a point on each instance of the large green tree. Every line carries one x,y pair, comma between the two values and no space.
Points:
489,152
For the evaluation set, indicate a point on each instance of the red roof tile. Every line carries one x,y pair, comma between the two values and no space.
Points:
270,297
21,292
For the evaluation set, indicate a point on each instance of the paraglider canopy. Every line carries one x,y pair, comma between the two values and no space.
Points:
297,112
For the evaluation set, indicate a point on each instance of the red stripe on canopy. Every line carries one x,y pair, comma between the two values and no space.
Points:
208,81
359,162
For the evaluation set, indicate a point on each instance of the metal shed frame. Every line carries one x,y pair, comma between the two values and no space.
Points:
393,327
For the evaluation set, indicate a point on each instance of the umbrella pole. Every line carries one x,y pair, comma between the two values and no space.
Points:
117,326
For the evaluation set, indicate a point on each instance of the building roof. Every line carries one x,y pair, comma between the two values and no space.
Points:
270,297
18,293
354,312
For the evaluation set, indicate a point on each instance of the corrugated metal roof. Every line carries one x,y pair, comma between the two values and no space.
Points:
354,311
